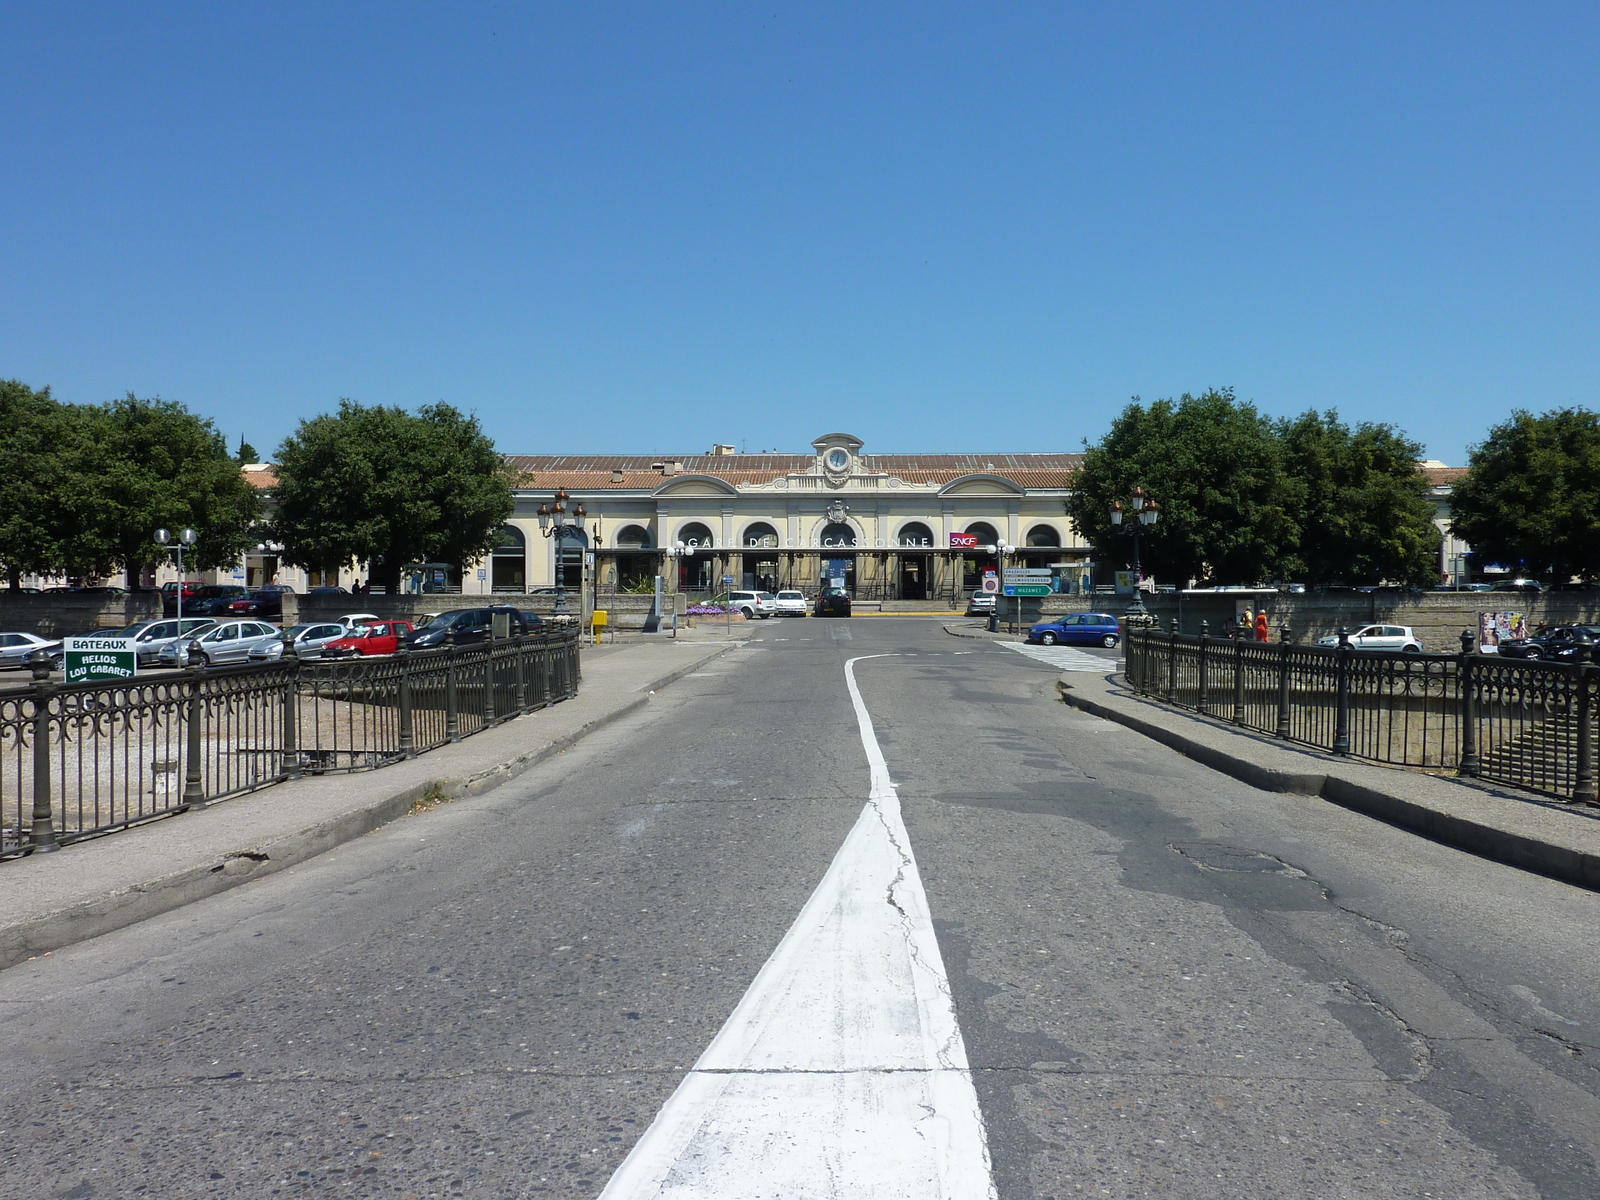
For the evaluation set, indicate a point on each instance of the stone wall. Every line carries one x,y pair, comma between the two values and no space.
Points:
51,614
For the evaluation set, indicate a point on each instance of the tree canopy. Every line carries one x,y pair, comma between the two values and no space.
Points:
1244,499
83,488
383,486
1531,495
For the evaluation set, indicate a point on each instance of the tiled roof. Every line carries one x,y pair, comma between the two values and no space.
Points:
1441,476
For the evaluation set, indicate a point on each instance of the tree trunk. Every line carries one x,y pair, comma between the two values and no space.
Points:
386,574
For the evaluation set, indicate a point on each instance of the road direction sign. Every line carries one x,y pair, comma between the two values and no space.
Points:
1027,589
1021,573
99,660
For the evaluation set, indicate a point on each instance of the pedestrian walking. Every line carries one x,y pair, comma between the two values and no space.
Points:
1247,623
1261,627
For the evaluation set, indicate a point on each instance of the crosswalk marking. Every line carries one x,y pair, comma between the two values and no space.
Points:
842,1074
1065,658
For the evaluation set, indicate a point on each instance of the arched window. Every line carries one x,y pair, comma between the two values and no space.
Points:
569,557
915,535
1043,535
984,532
760,536
508,561
633,537
696,536
837,535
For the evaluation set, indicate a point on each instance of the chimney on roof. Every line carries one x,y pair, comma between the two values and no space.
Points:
675,468
721,451
616,475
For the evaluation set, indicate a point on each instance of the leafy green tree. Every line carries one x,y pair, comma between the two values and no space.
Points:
36,503
385,487
157,465
1360,502
1531,495
1215,467
247,454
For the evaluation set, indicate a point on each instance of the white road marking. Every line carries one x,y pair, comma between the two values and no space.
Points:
842,1072
1065,658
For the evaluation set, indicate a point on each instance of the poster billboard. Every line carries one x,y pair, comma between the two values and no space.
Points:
1497,627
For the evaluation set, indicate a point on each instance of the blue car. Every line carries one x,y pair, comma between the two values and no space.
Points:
1080,629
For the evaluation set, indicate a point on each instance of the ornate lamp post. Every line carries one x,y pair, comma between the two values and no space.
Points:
556,522
1146,510
186,537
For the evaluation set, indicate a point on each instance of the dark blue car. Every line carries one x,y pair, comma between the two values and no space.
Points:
1081,629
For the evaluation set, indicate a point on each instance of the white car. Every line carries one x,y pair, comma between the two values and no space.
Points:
15,647
981,604
354,620
1380,637
751,604
308,641
789,604
150,638
228,642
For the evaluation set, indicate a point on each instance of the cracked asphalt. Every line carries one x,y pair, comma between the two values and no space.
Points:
1169,984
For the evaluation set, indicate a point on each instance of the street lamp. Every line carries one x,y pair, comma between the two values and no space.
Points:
186,537
555,522
1005,550
1146,510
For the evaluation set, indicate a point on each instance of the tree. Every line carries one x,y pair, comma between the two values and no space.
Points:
37,438
1531,495
1215,467
381,486
1360,502
247,454
157,465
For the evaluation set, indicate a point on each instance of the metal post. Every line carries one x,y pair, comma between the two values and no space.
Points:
1467,693
522,673
1172,661
452,716
1341,722
1238,682
194,796
42,834
488,682
1200,690
1583,789
408,733
291,713
1283,683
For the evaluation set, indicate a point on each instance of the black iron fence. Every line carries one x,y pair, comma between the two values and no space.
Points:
84,759
1524,722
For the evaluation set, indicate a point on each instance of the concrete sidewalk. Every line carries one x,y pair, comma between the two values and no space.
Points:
1520,829
52,900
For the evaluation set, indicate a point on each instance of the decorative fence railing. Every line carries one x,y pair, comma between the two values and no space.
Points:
1524,722
84,759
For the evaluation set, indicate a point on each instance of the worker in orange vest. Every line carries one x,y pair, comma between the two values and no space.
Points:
1261,628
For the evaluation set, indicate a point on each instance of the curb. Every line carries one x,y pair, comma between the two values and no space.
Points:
104,914
984,635
1562,863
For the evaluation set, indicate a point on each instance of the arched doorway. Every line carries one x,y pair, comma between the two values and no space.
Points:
760,545
697,567
837,542
573,545
985,558
508,561
635,559
915,543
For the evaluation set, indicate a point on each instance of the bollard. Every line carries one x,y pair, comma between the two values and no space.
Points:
1467,694
291,712
42,833
1583,787
452,715
408,737
1341,722
1201,687
1172,662
1238,682
522,674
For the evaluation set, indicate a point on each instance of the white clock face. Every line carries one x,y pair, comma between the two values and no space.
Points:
838,459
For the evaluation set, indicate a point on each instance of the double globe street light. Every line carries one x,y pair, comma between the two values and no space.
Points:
1146,510
555,522
186,537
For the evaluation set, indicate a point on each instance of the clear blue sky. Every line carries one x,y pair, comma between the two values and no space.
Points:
651,227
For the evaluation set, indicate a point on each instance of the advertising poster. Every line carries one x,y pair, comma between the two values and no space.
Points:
1497,627
99,660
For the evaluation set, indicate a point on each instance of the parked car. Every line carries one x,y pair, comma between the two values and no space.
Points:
833,602
1078,629
169,597
226,642
981,604
381,637
1560,644
15,647
151,637
1517,585
326,591
789,604
532,621
469,626
263,602
1380,637
351,620
308,641
213,599
751,604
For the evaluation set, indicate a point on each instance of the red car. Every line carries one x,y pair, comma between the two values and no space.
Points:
381,637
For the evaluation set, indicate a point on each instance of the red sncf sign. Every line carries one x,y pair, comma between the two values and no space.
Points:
963,541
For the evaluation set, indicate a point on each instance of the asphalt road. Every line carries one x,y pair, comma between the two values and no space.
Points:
1168,984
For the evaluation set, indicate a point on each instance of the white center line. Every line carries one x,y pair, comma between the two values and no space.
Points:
842,1072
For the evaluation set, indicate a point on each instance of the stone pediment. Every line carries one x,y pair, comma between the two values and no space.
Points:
696,485
981,484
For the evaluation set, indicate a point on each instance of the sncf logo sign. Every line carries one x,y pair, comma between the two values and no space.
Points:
963,541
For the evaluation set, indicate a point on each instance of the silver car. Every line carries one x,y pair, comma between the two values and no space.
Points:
308,641
225,642
150,638
15,647
1381,637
